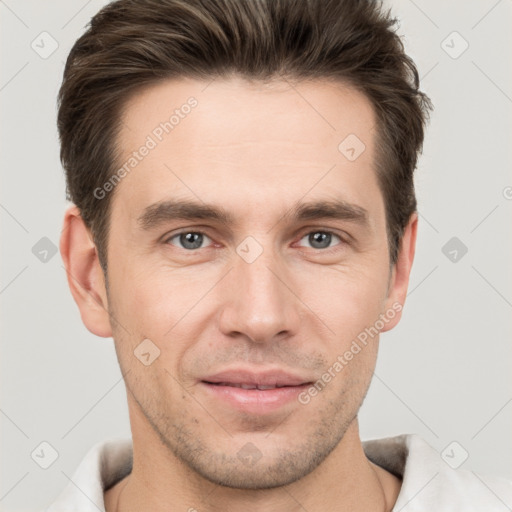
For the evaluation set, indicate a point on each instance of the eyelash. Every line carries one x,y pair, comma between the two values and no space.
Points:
343,241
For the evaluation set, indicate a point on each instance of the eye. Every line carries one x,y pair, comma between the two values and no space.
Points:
321,239
189,240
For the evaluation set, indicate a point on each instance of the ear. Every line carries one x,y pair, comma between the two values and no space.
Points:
399,280
85,275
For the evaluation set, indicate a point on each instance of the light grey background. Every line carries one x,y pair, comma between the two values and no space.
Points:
443,373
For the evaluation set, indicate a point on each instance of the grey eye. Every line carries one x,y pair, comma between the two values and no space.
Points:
189,240
320,239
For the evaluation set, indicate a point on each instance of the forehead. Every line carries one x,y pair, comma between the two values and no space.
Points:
231,142
308,112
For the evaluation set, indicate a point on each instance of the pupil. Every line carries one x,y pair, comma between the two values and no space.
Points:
191,240
320,240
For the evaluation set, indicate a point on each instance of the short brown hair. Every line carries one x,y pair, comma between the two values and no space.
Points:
130,44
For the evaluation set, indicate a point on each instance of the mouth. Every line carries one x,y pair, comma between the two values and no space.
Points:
255,393
259,387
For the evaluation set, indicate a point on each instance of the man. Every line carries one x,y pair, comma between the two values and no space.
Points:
244,226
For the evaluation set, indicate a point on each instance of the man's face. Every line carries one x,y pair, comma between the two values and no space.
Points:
269,295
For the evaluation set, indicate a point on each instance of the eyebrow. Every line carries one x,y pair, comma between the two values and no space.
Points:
180,209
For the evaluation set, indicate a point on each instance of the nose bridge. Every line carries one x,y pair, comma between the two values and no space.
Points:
259,280
258,304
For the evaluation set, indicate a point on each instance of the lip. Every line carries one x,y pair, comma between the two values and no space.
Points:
222,387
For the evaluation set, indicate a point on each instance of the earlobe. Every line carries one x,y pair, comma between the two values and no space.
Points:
399,281
84,273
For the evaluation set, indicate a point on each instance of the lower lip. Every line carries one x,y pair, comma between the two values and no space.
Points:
255,401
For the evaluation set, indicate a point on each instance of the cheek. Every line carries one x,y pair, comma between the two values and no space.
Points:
350,302
147,308
160,304
153,299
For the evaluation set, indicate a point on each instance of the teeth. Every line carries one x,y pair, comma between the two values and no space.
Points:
247,386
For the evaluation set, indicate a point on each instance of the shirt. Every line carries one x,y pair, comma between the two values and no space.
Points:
430,482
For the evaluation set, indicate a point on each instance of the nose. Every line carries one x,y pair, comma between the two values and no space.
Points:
258,300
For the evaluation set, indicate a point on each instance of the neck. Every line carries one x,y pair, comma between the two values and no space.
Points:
345,481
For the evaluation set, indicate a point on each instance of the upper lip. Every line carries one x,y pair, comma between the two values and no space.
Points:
257,378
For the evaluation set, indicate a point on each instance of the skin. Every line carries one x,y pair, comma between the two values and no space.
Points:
255,150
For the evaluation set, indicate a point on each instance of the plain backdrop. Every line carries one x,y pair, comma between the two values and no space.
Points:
443,373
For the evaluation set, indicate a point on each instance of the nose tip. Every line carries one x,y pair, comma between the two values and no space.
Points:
256,303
